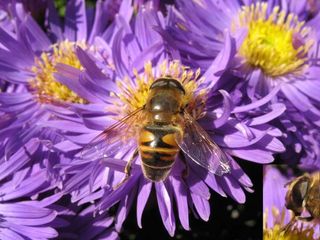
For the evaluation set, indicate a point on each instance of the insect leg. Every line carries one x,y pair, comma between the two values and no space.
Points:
289,225
305,219
127,169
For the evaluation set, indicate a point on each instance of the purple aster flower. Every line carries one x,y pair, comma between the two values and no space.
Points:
94,175
78,222
274,192
21,218
276,215
275,46
29,57
23,177
29,95
138,58
25,220
42,218
28,60
301,140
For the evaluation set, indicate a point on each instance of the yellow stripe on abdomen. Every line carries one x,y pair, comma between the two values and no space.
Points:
159,150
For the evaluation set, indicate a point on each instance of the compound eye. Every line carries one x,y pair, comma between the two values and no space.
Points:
295,197
300,190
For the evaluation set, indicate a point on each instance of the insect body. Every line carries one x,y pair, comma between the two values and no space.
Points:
158,150
162,128
157,140
304,195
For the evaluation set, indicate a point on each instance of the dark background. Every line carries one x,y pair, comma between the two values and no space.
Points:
228,220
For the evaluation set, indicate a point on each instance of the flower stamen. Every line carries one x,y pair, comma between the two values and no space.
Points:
302,232
135,95
277,43
44,84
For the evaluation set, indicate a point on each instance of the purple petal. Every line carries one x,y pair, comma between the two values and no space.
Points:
118,194
99,123
221,62
8,234
124,208
103,13
15,47
309,88
23,214
97,227
126,10
94,72
240,175
70,77
202,205
145,22
258,103
238,140
54,22
79,179
15,76
14,98
180,193
232,188
143,195
196,186
150,52
226,110
19,159
33,232
64,126
165,207
30,186
118,57
253,81
254,155
75,28
277,110
272,144
299,100
36,38
211,181
297,7
66,146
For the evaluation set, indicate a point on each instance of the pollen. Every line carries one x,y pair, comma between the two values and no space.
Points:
296,232
44,84
277,43
134,94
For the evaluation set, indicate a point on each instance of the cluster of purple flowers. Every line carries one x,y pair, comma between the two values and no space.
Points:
251,68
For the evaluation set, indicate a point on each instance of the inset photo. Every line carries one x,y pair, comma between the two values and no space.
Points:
291,203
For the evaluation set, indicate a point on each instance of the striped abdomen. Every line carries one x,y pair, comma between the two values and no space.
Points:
158,150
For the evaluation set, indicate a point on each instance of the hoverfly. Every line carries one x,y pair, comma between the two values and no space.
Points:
161,128
303,195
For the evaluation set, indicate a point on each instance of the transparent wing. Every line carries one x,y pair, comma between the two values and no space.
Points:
199,147
116,139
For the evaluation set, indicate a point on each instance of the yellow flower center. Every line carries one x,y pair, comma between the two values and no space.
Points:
302,232
276,233
296,233
135,95
44,84
277,43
